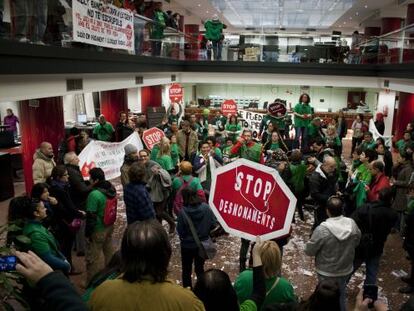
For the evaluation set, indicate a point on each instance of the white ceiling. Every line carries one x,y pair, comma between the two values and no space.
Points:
294,15
291,14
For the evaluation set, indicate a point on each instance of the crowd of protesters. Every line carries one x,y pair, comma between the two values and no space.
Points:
355,207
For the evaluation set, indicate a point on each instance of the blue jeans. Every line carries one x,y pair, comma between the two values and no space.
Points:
217,45
303,133
341,281
40,19
371,266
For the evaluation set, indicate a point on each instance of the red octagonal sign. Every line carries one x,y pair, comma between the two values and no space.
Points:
251,199
152,136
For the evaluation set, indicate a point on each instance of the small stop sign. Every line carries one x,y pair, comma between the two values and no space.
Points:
152,136
176,93
229,107
251,199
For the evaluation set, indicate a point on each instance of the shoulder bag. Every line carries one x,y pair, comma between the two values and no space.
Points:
206,249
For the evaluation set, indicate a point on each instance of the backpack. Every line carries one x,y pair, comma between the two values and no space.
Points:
178,202
110,211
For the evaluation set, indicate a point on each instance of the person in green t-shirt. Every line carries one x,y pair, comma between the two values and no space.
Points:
368,142
99,235
233,128
302,116
104,130
157,29
272,144
405,142
161,153
278,289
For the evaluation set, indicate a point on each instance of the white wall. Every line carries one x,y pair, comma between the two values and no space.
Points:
134,99
333,98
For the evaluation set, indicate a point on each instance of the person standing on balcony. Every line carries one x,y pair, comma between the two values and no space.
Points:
157,31
214,33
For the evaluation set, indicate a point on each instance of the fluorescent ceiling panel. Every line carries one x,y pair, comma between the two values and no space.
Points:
319,14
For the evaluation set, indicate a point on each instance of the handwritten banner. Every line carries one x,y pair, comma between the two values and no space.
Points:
97,23
251,120
108,156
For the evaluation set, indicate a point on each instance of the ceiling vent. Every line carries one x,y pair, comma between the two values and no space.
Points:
310,29
139,80
74,85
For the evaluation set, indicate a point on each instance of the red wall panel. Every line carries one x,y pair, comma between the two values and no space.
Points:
405,113
151,96
38,124
112,103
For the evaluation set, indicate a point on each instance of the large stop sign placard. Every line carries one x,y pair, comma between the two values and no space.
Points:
251,199
152,136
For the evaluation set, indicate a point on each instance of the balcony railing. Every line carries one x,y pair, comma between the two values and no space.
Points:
98,26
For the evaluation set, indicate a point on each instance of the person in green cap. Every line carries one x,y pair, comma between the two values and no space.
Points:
214,33
157,29
104,130
302,116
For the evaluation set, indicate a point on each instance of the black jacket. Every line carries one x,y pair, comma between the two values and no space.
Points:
322,186
65,211
79,189
388,163
383,218
59,294
203,220
122,131
380,127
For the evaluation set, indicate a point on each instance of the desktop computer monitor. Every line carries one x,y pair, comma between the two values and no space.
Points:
82,118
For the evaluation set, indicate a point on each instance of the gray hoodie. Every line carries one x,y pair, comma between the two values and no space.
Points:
333,244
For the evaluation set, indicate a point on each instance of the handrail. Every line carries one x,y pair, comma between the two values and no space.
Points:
377,38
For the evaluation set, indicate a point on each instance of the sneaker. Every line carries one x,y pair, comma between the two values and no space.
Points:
24,40
39,42
406,290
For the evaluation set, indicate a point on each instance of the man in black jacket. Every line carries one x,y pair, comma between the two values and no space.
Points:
323,185
375,220
78,191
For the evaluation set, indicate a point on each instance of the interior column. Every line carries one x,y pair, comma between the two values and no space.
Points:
40,120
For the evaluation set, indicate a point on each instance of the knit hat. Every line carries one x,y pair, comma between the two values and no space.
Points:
215,17
130,149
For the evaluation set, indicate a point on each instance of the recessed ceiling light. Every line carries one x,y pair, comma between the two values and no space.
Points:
344,23
357,13
199,4
350,17
207,12
366,6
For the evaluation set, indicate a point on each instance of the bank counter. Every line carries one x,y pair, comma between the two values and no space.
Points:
349,116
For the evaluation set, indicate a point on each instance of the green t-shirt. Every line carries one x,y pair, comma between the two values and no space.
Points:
363,174
103,132
177,183
302,109
248,305
165,162
298,171
96,204
174,154
281,293
233,127
159,25
368,145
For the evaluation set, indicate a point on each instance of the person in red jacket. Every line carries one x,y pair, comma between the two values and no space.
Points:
379,180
